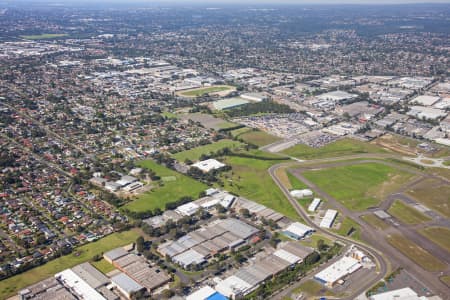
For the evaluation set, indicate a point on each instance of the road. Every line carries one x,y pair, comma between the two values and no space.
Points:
369,234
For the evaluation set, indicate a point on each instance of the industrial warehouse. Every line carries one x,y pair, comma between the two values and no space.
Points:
248,278
196,247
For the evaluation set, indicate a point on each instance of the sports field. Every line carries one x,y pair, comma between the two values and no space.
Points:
11,286
416,253
249,178
433,194
45,36
335,149
256,137
206,90
195,153
165,191
439,235
406,213
358,186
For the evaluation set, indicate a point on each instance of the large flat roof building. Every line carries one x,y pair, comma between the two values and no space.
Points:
78,286
126,285
341,268
297,231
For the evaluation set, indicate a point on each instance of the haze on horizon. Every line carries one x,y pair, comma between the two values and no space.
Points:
252,2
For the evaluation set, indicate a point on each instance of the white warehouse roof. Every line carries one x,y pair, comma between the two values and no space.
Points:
232,286
187,209
314,204
83,290
346,265
202,293
328,219
299,229
208,165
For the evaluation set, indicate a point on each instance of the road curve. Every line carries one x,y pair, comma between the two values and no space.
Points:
381,262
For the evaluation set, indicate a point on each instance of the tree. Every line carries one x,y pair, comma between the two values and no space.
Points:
140,244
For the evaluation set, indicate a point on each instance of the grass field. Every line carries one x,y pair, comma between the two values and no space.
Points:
338,148
417,254
195,153
313,289
170,190
11,286
103,266
206,90
348,225
312,240
445,279
439,235
249,178
406,213
256,137
433,194
358,186
44,36
375,222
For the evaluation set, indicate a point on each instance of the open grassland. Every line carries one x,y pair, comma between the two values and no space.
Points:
375,222
335,149
358,186
313,289
254,136
312,240
45,36
445,279
439,235
206,90
249,178
416,253
349,228
165,191
434,194
12,285
406,213
207,121
195,153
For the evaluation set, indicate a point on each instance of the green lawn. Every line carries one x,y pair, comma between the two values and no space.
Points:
358,186
169,115
206,90
253,136
249,178
44,36
170,191
439,235
406,213
195,153
11,286
348,225
375,222
336,149
416,253
103,266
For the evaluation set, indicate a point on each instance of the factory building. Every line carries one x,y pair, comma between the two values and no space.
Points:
337,271
329,218
297,231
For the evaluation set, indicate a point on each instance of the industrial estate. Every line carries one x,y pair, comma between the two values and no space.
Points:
227,151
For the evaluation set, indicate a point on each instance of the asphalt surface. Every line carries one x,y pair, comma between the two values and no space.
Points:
381,251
